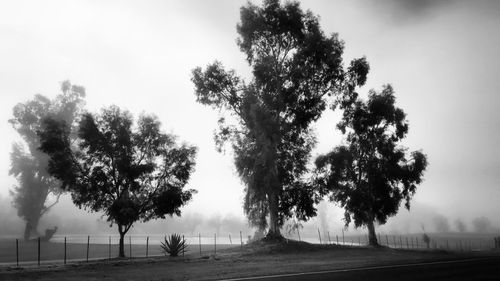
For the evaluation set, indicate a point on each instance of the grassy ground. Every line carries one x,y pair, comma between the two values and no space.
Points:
250,260
54,252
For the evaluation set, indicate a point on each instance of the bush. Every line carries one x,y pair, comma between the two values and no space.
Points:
173,245
427,240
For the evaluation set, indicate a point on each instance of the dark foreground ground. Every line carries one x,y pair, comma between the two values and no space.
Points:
282,259
485,268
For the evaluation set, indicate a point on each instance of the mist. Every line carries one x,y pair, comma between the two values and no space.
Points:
446,121
73,221
10,223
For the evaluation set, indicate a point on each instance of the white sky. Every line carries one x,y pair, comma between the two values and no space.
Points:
442,59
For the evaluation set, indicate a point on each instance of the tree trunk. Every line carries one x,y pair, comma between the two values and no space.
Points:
274,228
372,237
30,229
121,253
27,231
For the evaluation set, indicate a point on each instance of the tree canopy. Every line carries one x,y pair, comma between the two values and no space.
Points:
296,68
28,164
131,173
371,174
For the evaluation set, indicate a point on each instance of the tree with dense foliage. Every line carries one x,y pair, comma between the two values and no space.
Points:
295,68
371,174
28,164
131,173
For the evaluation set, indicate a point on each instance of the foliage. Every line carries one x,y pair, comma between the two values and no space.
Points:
28,164
174,245
293,226
131,175
371,174
460,225
295,68
481,224
441,223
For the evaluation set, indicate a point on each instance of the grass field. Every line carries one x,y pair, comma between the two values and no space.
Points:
249,260
103,247
53,252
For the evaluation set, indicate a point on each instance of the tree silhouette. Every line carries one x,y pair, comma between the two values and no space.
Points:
295,69
481,224
371,174
131,175
460,225
28,164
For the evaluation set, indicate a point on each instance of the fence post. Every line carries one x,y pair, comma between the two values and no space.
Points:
88,242
359,240
337,239
147,246
17,252
230,241
215,244
38,251
329,240
109,248
343,240
400,242
199,241
394,240
183,247
319,235
298,233
64,250
241,240
407,245
412,243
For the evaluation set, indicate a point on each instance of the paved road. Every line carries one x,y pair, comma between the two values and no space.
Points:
470,269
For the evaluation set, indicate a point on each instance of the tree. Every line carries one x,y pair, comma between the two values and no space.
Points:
481,224
28,164
441,223
295,67
371,174
130,175
460,225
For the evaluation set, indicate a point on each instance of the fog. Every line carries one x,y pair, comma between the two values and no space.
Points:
440,56
73,221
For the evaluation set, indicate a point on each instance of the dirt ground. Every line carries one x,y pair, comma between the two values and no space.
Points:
251,260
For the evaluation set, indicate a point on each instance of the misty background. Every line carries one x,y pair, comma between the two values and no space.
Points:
440,56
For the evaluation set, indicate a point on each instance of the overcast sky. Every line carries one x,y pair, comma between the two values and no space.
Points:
440,56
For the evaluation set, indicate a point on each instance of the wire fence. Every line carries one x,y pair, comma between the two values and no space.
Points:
76,248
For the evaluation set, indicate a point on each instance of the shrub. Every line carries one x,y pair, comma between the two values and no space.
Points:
173,245
427,240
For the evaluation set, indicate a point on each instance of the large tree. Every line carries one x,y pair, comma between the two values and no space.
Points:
372,173
28,164
129,173
295,68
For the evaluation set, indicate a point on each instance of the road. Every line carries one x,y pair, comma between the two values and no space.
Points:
457,270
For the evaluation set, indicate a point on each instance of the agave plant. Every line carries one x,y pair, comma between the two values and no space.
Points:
173,245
